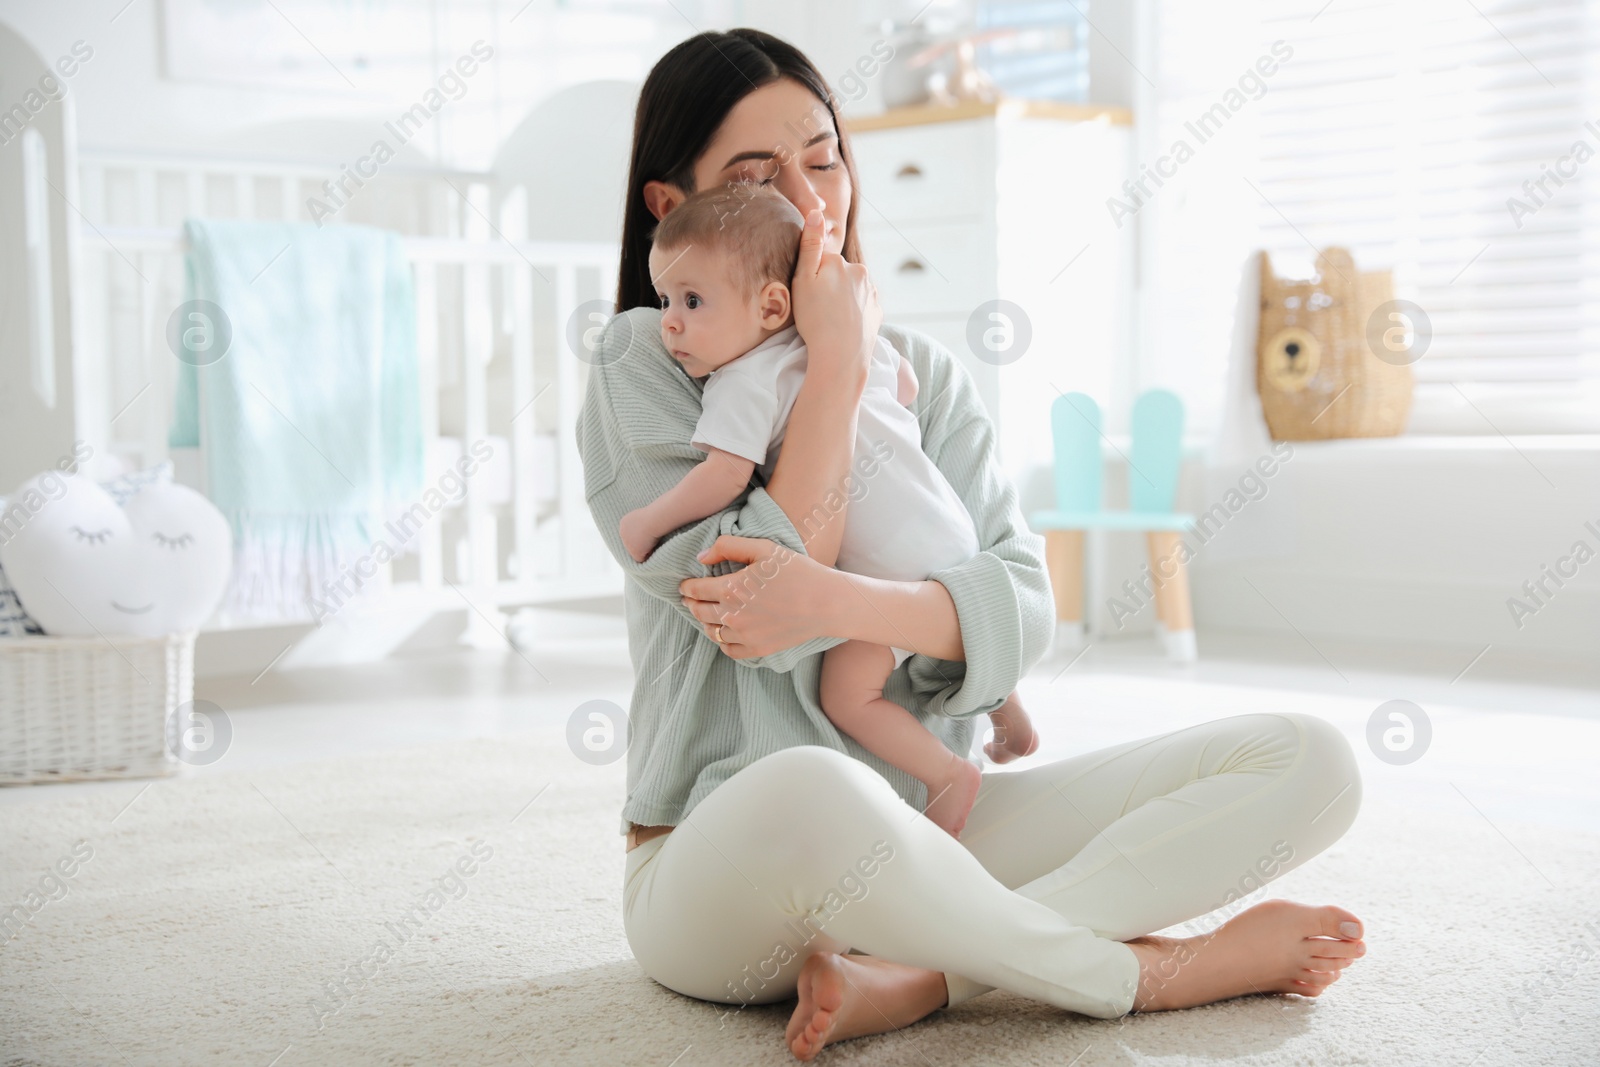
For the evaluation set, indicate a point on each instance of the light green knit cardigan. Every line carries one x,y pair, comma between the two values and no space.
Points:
698,716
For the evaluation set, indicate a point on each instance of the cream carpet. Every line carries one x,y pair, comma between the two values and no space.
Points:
212,918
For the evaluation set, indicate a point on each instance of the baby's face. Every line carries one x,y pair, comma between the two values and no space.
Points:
705,321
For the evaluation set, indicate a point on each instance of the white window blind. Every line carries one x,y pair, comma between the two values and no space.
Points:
1458,143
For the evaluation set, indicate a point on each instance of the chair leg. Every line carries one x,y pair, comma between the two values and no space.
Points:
1152,546
1063,557
1172,595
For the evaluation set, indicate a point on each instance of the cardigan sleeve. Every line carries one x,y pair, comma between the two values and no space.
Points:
639,413
1002,595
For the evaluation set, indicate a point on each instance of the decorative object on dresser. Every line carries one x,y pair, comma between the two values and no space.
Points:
903,85
1334,353
966,82
984,227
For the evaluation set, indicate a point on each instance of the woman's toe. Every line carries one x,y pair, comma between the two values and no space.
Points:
1347,951
1325,964
1333,921
1311,983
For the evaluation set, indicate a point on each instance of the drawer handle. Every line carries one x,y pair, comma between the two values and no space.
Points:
912,266
908,170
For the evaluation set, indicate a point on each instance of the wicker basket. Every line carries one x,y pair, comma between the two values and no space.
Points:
1315,368
74,708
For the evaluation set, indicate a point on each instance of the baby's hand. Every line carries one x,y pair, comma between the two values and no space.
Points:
636,536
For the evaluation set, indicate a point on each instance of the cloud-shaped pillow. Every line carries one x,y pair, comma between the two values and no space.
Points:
82,565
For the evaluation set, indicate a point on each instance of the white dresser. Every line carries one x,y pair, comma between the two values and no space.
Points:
961,206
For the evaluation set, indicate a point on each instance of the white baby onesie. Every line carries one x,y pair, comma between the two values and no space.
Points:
904,520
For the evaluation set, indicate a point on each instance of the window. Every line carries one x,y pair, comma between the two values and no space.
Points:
1046,53
1456,142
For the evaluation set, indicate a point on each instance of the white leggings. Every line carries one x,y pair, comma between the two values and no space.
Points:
808,850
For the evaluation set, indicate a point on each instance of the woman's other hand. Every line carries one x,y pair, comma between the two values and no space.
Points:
778,600
835,307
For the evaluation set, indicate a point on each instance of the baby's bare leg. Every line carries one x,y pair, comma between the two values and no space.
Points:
1014,735
853,675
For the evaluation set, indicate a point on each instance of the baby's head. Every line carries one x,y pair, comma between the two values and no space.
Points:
721,264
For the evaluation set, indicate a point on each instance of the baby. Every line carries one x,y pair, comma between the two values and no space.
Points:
722,262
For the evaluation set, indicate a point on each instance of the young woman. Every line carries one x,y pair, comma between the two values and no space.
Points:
770,856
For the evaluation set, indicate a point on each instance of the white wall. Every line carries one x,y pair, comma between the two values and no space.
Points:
579,69
1419,542
1388,541
125,101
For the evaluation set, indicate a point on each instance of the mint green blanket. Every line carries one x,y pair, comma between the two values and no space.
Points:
310,424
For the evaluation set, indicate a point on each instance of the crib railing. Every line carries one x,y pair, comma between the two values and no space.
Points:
495,365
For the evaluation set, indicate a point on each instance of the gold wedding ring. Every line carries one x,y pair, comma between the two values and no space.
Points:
717,637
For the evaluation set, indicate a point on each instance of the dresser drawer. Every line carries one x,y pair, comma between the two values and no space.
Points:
940,170
930,269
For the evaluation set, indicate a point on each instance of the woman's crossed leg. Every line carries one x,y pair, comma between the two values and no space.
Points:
808,853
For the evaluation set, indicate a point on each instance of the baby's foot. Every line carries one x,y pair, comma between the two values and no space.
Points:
951,797
1014,735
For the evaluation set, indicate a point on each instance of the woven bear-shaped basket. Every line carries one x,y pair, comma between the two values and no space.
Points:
1315,369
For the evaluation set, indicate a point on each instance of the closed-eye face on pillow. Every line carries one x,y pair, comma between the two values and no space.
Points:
81,565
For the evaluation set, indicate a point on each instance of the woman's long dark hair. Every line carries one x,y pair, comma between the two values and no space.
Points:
689,92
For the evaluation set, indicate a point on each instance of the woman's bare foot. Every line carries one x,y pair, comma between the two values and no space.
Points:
950,798
1275,947
1014,735
852,996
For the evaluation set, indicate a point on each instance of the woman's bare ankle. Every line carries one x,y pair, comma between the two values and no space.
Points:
1275,947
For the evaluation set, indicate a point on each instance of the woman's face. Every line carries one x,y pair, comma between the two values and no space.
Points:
779,135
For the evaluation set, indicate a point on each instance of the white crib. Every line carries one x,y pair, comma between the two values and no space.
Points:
493,310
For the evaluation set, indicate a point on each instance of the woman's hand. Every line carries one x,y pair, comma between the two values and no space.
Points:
835,307
837,314
780,599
